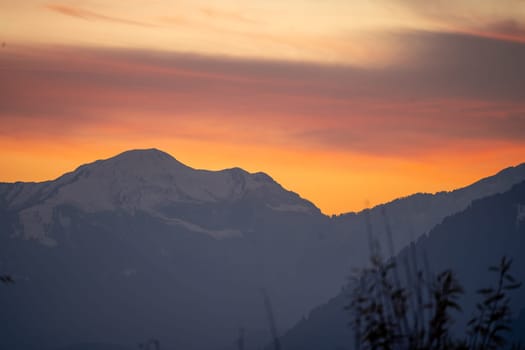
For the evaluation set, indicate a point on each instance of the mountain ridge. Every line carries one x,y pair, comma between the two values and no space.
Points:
152,180
141,162
206,257
513,170
138,154
490,228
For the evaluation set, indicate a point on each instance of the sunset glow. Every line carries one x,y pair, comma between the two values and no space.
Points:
347,103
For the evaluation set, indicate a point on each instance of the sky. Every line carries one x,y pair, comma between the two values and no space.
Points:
348,103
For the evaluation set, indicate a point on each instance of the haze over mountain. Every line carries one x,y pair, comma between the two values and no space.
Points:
141,245
467,242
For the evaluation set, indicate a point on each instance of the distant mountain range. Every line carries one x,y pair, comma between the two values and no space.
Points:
140,246
467,242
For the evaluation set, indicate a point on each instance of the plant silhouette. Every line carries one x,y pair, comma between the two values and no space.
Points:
419,314
7,279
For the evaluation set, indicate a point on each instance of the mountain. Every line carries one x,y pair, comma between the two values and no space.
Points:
415,215
141,245
150,181
467,242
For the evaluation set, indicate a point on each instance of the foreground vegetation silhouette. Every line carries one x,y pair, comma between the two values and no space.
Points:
417,313
7,279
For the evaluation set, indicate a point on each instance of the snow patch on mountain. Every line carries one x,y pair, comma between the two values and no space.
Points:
147,181
218,234
224,233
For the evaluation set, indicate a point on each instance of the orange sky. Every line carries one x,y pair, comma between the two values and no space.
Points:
344,102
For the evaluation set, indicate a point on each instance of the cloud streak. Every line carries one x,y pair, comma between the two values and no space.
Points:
502,20
77,12
451,91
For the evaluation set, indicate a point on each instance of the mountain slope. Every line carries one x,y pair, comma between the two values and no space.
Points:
412,216
140,245
468,242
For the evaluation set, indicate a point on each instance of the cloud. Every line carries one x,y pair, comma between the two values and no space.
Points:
447,91
463,65
73,11
503,19
509,29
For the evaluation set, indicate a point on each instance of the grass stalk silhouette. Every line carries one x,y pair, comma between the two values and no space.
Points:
380,308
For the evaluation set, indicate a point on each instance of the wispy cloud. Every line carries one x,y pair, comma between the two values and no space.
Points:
502,20
451,90
77,12
508,29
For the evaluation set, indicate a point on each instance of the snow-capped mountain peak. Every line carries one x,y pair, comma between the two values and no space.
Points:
144,180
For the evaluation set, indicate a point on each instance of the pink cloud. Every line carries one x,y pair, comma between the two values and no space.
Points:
410,109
